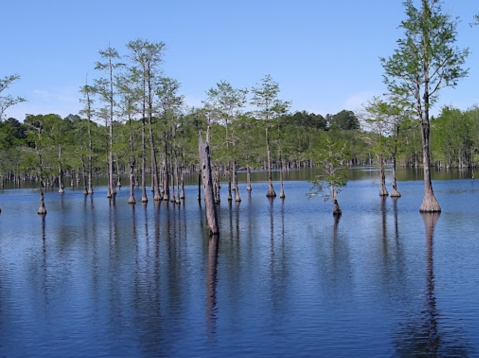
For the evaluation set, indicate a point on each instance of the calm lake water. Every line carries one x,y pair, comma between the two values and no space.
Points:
103,279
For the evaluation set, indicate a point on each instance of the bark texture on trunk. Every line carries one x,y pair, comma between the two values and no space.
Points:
235,182
211,215
383,191
182,184
336,208
230,196
131,199
282,194
429,203
199,185
270,193
395,192
61,187
42,209
248,178
166,182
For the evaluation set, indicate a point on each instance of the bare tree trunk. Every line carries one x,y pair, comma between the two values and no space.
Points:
144,197
282,195
166,183
111,187
61,188
383,191
84,178
211,215
235,182
131,199
173,191
270,193
429,203
42,209
177,177
248,178
199,185
118,176
230,196
182,184
395,193
217,186
154,167
336,209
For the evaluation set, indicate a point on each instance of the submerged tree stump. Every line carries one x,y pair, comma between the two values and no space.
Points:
211,216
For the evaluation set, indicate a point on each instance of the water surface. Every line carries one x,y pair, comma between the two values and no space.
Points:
106,279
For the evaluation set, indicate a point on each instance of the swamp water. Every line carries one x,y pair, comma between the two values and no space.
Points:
103,279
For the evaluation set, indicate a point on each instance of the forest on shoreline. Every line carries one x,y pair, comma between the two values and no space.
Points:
64,142
134,121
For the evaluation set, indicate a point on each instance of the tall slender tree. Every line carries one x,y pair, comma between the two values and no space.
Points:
227,101
87,91
264,97
425,61
105,87
148,56
375,115
130,97
170,105
280,109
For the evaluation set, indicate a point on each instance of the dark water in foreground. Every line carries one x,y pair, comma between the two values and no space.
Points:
284,280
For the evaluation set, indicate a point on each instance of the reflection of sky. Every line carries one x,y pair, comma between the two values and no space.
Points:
112,281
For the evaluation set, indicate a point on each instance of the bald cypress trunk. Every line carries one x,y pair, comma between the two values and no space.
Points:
336,209
144,197
166,183
429,203
42,209
211,215
395,193
270,193
235,182
61,188
383,191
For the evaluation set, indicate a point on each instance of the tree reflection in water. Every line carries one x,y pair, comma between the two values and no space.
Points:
211,281
423,335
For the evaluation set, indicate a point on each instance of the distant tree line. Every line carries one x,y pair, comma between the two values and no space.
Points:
134,121
65,143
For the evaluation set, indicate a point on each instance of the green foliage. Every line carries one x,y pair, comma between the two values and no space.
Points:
12,134
305,120
8,100
264,97
330,155
344,120
426,59
129,95
455,139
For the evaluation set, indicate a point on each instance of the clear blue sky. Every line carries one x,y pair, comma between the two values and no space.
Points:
324,54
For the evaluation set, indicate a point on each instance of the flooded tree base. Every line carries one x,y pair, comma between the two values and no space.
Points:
430,205
395,194
271,193
336,209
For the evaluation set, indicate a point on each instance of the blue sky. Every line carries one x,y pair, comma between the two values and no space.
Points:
324,54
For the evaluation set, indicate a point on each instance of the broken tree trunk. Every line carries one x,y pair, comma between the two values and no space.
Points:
211,217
